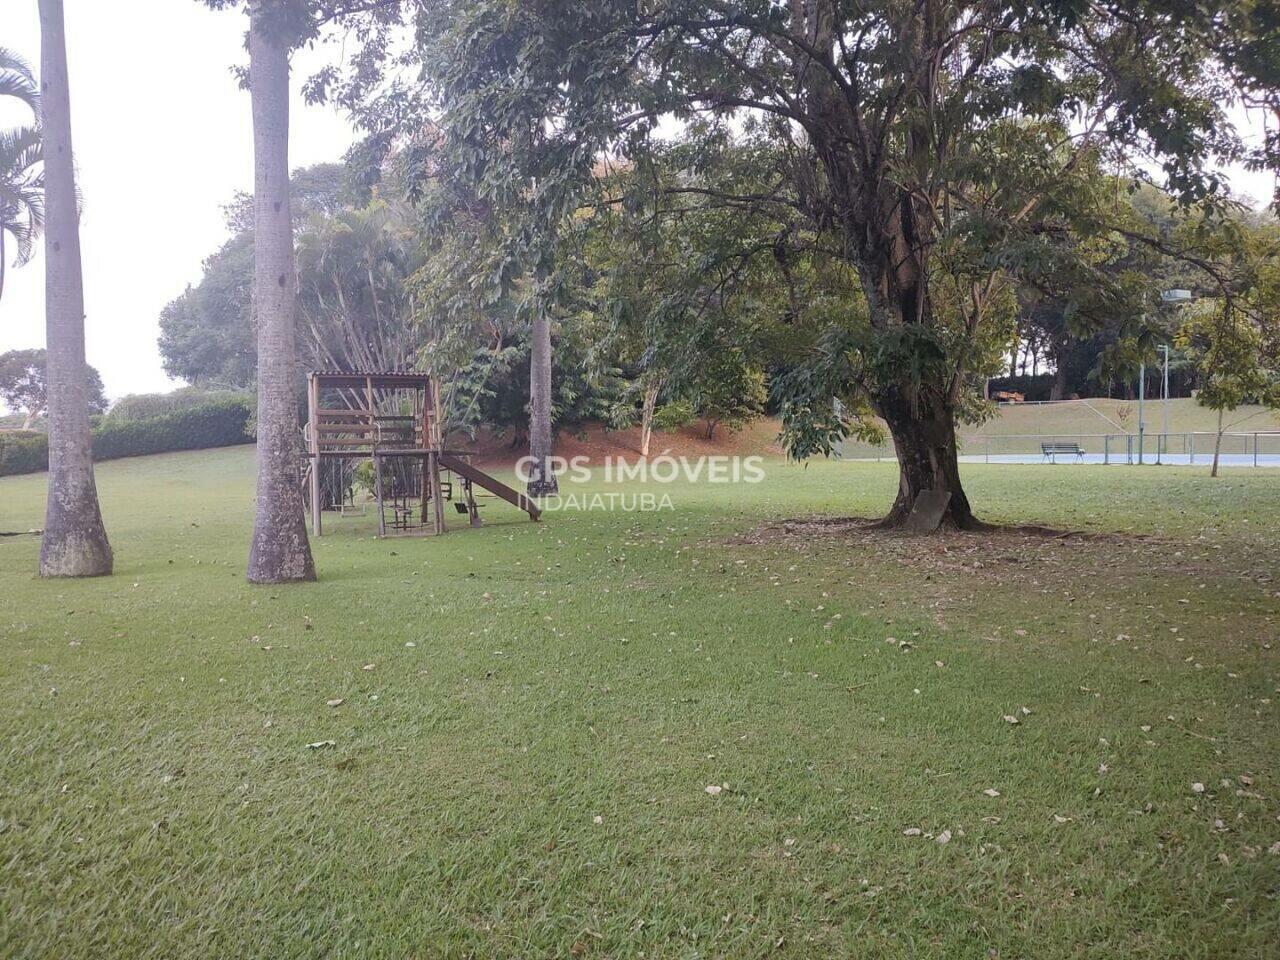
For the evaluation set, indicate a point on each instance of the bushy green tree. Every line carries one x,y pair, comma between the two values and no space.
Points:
1233,344
906,133
24,385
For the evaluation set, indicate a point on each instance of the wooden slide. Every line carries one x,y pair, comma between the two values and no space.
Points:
499,489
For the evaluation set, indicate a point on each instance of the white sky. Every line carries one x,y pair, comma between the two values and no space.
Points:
162,137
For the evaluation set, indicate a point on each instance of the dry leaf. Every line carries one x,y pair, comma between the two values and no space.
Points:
335,702
943,837
991,792
320,744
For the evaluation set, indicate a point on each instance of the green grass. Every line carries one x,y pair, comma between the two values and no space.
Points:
158,798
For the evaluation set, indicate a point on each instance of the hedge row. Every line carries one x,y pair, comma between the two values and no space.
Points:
219,424
145,406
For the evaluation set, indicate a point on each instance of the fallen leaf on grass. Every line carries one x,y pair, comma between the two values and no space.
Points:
991,792
335,702
714,789
1010,718
319,744
1197,788
912,832
943,837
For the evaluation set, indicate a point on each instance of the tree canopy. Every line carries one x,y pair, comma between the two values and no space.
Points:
944,156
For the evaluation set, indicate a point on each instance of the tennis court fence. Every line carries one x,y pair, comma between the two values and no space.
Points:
1250,449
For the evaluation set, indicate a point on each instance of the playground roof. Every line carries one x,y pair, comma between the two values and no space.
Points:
378,379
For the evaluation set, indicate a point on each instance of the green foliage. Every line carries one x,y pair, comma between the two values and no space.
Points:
1233,342
220,423
493,389
674,415
1229,354
936,164
24,387
144,406
207,336
21,167
23,451
730,392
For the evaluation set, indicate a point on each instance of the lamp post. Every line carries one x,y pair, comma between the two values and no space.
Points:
1172,297
1142,396
1164,405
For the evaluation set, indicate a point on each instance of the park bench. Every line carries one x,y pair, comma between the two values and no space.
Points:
1053,450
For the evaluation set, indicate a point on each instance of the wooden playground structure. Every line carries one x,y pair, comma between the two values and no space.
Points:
392,421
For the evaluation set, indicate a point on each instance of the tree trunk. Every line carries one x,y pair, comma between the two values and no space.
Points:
1059,390
647,409
1217,447
280,551
542,481
75,541
925,441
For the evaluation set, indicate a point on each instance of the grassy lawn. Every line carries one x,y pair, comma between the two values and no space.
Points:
531,716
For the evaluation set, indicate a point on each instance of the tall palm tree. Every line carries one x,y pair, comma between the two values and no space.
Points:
280,551
21,170
75,541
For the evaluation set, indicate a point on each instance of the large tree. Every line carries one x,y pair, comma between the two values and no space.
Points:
280,551
24,385
75,541
909,132
207,334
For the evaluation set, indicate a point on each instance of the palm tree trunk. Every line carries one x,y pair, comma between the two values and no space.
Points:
75,541
280,551
542,480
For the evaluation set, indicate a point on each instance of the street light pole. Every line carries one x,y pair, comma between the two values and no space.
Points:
1164,402
1175,296
1142,395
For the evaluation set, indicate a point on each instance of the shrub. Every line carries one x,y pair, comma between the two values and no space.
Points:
23,451
218,424
144,406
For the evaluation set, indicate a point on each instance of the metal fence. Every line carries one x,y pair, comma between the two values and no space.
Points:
1255,449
